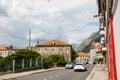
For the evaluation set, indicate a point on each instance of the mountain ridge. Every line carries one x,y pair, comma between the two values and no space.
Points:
85,46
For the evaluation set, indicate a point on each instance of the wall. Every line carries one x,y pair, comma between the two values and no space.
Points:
116,25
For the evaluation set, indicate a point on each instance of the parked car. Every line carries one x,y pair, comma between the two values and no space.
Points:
80,67
69,65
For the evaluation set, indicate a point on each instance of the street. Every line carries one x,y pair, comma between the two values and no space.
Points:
64,74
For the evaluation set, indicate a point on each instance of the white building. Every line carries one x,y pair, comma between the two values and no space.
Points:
110,35
4,51
85,57
92,55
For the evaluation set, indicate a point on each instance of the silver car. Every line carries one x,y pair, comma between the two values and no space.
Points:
69,65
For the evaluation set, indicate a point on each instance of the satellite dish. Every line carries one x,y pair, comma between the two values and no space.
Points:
101,19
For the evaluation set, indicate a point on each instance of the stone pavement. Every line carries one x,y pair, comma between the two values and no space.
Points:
6,76
99,72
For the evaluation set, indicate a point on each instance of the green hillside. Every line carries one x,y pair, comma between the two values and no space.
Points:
85,46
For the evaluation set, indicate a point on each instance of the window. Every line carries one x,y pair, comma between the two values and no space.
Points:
49,50
41,50
64,49
57,50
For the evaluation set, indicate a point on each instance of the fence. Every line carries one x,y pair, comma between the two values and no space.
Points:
20,65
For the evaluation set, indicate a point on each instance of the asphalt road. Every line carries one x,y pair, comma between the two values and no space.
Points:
64,74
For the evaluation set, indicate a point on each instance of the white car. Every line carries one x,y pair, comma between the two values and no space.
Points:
80,66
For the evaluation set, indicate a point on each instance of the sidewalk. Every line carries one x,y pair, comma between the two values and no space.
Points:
27,73
99,72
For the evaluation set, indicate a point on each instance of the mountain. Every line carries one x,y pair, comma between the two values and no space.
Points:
86,44
74,46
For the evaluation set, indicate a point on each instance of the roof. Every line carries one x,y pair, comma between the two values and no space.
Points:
3,48
54,42
101,6
83,54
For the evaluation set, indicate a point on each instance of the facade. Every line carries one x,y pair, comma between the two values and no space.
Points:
92,55
83,57
109,15
99,56
54,47
4,51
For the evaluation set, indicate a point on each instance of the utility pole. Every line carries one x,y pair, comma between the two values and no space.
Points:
30,38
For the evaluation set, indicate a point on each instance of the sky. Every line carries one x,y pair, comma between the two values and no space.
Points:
67,20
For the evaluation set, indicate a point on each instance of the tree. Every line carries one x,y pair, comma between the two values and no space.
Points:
24,54
1,58
11,46
73,55
54,60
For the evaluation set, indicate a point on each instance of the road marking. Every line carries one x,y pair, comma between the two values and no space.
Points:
61,74
51,77
64,72
44,79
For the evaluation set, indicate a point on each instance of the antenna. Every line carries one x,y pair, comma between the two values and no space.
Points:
37,41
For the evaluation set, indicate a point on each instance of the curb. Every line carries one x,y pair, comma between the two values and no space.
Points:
14,75
99,72
91,75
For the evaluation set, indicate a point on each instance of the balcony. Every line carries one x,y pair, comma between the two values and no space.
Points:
101,28
102,33
102,40
104,49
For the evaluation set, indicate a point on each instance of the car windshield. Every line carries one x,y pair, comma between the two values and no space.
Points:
81,63
70,63
78,64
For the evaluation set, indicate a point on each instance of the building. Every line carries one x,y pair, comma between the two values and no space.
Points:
109,15
5,51
92,55
83,57
54,47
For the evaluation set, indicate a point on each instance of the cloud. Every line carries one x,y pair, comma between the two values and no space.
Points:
47,20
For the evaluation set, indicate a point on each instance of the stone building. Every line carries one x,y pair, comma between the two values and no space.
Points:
54,47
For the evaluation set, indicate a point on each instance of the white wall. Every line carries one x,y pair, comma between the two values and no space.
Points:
116,24
92,55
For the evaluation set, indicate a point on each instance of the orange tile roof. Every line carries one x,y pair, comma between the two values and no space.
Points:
83,54
3,48
54,42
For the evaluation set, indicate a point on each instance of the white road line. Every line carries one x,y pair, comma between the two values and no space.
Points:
61,74
56,75
51,77
64,73
44,79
